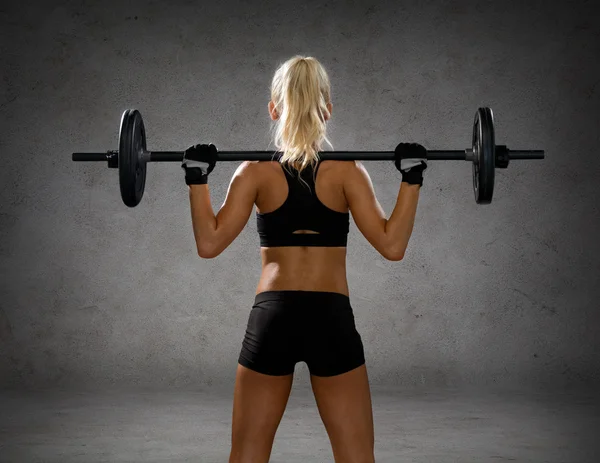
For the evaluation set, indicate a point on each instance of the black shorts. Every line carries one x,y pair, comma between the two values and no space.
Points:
286,327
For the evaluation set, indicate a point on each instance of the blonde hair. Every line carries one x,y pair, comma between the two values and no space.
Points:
300,92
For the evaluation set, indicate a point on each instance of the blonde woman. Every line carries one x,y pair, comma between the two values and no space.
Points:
302,310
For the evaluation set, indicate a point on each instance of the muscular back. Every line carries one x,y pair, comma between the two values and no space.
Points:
301,267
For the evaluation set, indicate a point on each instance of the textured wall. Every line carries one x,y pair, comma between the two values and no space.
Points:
95,294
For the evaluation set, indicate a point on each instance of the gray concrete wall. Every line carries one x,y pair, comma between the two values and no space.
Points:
93,294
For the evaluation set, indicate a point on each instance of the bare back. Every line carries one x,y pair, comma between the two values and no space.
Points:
302,268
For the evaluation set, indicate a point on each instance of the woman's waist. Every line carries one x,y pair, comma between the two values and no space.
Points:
328,278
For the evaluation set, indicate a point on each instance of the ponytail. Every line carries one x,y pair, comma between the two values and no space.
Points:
300,92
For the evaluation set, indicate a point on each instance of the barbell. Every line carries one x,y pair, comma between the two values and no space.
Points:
132,157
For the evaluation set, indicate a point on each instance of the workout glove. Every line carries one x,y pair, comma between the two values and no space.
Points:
411,161
198,162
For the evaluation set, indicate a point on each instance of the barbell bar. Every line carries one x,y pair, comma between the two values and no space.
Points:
132,156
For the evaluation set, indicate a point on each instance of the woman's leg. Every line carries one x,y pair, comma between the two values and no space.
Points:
258,404
344,403
336,360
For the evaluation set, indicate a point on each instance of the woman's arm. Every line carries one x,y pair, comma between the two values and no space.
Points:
213,233
388,236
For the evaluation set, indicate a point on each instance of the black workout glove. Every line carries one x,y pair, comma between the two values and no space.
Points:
411,161
198,162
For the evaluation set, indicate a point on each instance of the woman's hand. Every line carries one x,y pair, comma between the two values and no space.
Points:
198,162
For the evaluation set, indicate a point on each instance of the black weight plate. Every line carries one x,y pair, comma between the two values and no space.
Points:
132,168
483,156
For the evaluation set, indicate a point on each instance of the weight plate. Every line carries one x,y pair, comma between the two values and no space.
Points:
132,169
483,156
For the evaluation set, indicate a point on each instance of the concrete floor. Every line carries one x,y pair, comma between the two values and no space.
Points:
433,427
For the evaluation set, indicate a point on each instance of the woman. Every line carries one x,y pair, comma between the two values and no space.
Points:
302,309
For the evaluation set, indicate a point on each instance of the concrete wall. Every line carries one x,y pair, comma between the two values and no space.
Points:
93,294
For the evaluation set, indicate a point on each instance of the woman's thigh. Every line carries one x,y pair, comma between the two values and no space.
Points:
344,403
259,402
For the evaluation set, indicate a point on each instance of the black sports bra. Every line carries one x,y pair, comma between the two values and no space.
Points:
302,210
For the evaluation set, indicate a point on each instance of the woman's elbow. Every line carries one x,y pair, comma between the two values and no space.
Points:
393,255
208,252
